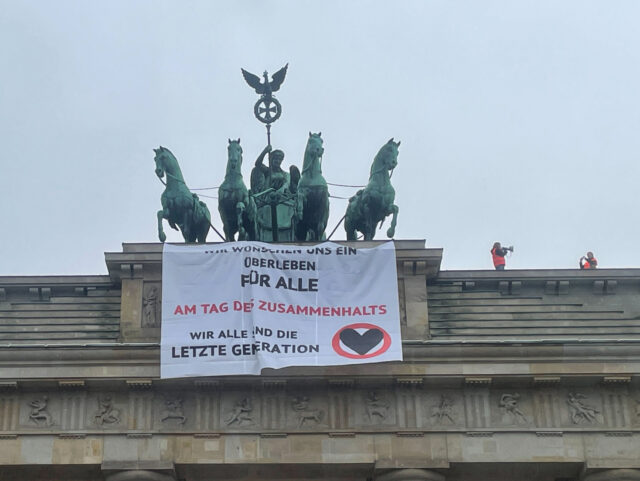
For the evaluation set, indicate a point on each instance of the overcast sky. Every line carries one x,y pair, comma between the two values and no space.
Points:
519,121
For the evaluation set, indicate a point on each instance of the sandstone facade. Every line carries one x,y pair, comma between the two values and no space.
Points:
513,375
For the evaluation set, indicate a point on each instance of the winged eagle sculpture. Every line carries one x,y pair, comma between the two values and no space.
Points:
265,87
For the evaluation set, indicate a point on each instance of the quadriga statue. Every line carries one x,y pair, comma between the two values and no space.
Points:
182,209
375,202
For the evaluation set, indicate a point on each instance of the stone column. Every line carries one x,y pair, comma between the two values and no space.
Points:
614,475
139,475
410,475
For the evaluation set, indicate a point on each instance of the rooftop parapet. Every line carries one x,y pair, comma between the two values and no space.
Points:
535,304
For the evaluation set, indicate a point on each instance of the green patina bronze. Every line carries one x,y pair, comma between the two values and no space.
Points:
180,207
237,209
373,203
312,200
274,192
280,206
267,109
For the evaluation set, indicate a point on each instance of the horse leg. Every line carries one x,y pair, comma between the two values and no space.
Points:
202,229
186,226
242,233
251,214
369,231
228,234
322,225
227,226
161,235
299,231
392,229
366,212
299,207
350,229
206,225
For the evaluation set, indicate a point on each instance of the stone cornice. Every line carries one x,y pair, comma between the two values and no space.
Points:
136,259
431,360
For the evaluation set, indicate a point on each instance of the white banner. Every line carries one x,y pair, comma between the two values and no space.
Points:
238,307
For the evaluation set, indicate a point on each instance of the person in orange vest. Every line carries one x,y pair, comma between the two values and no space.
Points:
588,262
498,252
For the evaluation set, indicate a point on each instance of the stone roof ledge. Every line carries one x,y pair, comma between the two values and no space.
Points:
145,259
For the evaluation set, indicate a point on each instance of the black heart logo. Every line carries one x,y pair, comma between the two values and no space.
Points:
361,343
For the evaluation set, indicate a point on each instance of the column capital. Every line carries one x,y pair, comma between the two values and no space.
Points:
614,475
139,475
410,475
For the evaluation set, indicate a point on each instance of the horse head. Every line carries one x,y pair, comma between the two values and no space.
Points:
234,164
313,151
314,145
159,159
167,164
387,157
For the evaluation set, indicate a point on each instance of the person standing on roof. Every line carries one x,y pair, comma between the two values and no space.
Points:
498,252
588,261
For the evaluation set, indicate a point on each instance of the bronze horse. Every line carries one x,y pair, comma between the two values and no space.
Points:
237,209
180,207
312,197
373,203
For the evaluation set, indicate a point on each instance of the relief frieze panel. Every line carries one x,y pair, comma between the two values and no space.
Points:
329,409
308,411
238,411
36,411
376,407
584,408
106,413
444,409
172,411
511,408
373,408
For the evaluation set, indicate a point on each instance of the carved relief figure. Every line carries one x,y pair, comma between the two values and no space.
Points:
509,402
150,308
241,413
443,410
174,410
376,407
581,412
300,405
106,413
39,413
